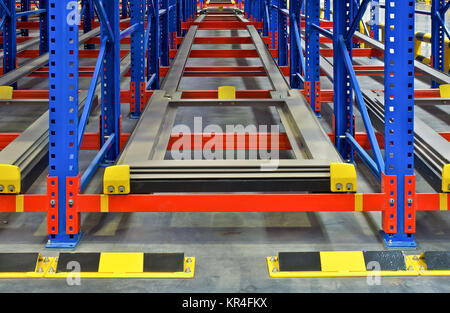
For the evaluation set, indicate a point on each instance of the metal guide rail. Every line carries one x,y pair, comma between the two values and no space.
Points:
146,148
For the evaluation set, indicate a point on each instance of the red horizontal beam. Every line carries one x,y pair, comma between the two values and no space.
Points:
231,203
230,141
357,52
213,94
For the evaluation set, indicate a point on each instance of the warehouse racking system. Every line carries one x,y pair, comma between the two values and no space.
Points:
292,39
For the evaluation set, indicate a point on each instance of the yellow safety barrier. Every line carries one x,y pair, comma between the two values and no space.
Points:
6,92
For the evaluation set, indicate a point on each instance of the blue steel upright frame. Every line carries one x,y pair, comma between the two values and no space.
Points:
438,33
8,26
399,121
63,117
66,131
396,170
312,54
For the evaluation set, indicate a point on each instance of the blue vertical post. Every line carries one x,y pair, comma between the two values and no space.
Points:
172,23
110,117
154,50
125,4
437,37
312,54
327,10
165,34
24,7
343,99
375,19
273,33
399,224
88,19
266,18
9,38
295,65
63,121
137,84
43,26
356,4
282,35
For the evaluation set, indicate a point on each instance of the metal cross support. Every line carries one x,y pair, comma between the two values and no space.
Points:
399,122
63,121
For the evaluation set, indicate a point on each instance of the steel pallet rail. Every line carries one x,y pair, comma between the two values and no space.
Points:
156,27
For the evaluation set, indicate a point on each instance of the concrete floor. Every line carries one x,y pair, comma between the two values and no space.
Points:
230,248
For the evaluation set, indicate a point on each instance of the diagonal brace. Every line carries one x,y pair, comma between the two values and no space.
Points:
356,20
362,106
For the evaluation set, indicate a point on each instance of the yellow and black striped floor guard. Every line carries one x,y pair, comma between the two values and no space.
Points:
97,265
357,264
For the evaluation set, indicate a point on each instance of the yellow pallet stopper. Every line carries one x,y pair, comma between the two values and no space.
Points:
116,180
227,92
343,177
445,91
6,92
446,178
9,179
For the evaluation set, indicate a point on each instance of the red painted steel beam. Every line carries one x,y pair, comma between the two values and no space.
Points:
232,141
231,203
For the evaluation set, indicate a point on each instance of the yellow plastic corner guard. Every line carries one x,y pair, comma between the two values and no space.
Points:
9,179
342,177
445,91
446,178
116,180
6,92
227,92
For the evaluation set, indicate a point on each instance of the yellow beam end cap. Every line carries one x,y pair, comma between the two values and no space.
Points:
445,91
6,92
227,92
116,180
9,179
446,178
342,177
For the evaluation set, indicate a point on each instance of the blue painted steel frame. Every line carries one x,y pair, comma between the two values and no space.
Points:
312,54
137,46
24,7
297,62
63,116
9,36
88,17
438,31
399,108
43,26
343,99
